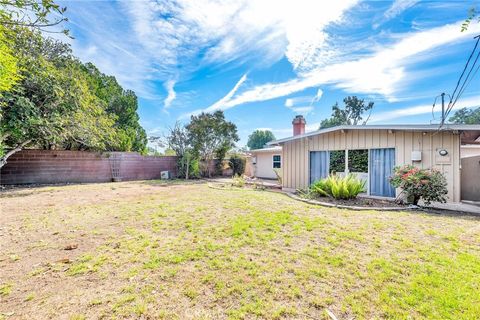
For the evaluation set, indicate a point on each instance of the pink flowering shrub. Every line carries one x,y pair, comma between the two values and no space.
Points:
427,184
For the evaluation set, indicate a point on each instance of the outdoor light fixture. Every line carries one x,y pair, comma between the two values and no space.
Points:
443,152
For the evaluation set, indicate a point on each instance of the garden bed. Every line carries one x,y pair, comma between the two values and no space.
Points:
359,203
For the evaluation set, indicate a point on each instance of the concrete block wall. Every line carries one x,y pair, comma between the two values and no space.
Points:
62,166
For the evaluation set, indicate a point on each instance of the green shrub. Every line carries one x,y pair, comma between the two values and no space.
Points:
237,164
238,181
358,160
337,187
427,184
337,161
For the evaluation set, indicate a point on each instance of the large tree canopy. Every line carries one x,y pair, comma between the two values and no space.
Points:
49,99
211,135
259,138
351,114
466,116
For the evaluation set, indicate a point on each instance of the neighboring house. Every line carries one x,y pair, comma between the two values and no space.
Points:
306,156
265,161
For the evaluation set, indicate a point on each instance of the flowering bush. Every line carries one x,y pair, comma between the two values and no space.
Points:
427,184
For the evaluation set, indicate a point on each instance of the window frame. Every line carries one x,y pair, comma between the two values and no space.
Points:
277,161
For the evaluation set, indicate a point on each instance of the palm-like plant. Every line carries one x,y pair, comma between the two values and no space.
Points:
347,187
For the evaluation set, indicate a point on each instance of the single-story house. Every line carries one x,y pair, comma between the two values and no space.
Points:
307,156
265,161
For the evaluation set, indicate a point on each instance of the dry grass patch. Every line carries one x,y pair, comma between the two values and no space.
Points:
155,251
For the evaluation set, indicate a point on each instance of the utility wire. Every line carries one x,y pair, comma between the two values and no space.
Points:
465,68
464,85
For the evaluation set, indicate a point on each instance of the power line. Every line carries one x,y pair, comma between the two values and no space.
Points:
466,66
466,82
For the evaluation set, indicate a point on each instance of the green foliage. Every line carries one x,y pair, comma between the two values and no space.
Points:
427,184
237,164
351,114
211,135
180,144
471,16
60,103
358,160
466,116
238,181
337,161
259,138
9,73
337,187
123,104
33,14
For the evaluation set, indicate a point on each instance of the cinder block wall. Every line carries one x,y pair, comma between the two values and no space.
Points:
61,166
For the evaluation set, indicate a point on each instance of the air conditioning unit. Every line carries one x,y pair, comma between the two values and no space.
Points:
165,175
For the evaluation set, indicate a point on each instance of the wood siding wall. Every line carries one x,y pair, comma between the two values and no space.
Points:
296,153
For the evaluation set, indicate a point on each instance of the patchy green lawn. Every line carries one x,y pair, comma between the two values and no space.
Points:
153,251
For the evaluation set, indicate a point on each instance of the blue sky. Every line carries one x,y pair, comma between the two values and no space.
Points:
265,61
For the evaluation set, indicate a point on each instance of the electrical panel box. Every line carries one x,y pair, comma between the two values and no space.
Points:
416,156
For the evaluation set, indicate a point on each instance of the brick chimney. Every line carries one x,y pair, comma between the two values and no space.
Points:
298,125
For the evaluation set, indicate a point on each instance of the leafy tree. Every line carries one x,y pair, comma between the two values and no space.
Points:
351,114
37,15
466,116
52,103
9,73
60,103
121,103
237,163
210,134
179,142
259,138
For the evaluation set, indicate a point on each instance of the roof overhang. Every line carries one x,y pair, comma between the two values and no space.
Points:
271,149
469,131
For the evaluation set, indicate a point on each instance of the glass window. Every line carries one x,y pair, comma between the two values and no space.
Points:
277,162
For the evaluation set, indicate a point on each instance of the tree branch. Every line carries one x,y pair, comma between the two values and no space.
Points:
3,160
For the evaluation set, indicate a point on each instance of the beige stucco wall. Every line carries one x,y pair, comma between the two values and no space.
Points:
296,153
264,166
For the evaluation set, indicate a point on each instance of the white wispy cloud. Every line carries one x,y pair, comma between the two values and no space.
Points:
398,6
422,109
220,104
171,94
111,46
225,31
384,72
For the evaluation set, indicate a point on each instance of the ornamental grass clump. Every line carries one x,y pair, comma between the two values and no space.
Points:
429,185
345,188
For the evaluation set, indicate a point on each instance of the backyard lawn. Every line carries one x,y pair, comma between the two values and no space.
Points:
186,251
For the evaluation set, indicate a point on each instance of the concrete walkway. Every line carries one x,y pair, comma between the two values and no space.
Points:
457,207
267,183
